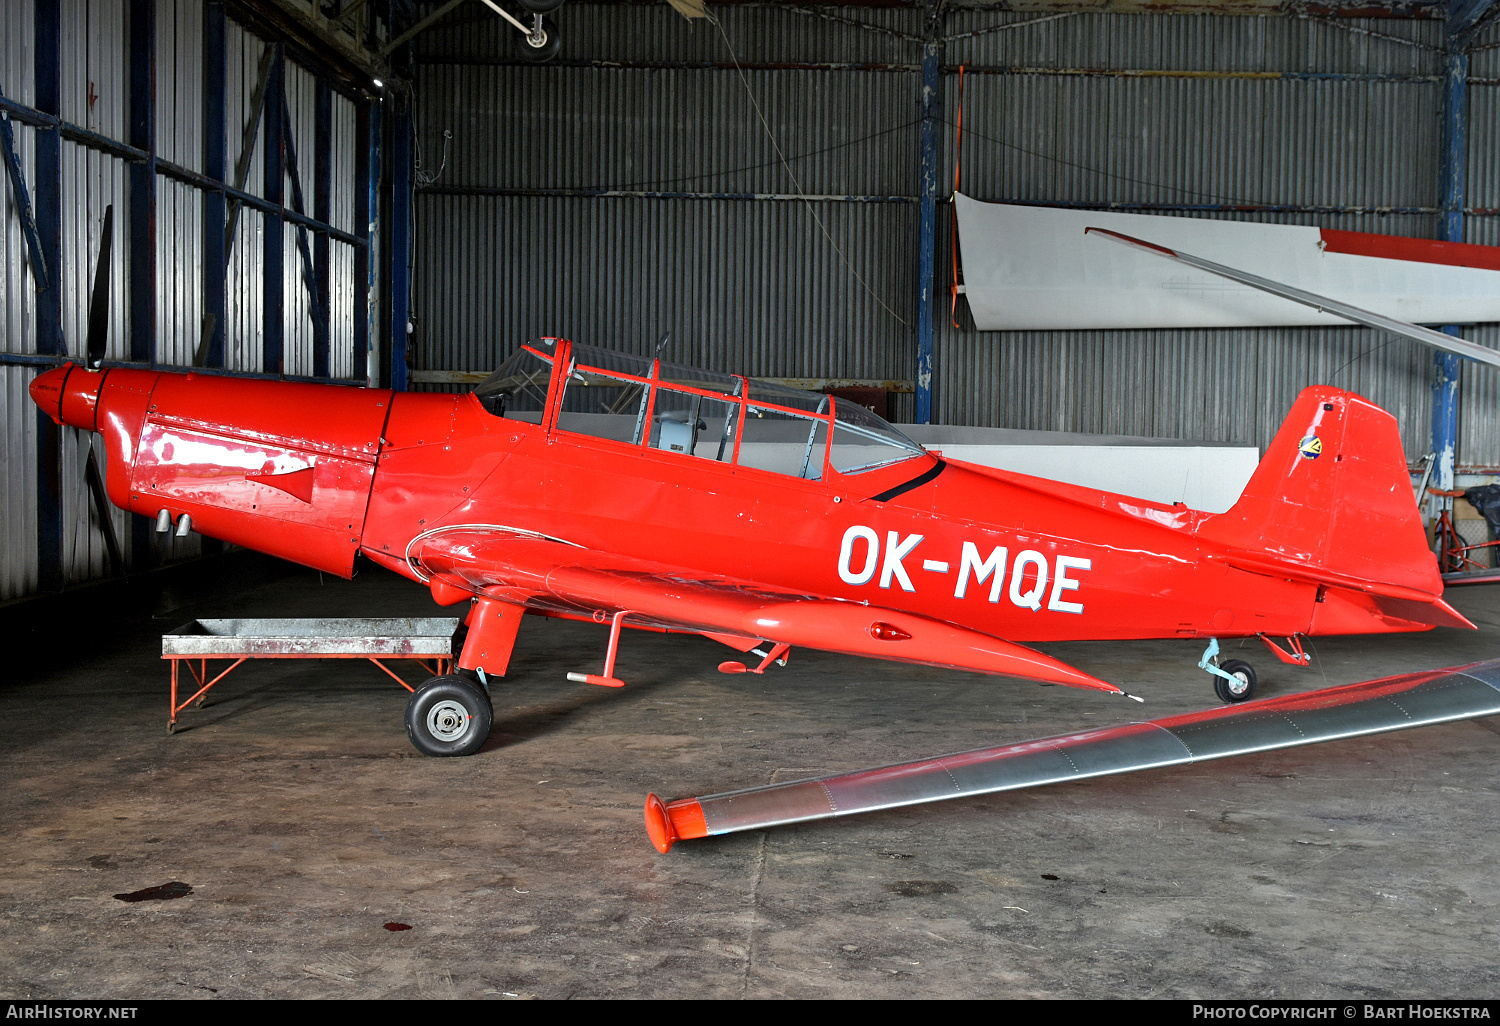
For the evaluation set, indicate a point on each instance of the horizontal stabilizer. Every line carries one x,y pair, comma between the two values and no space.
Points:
1354,710
1433,611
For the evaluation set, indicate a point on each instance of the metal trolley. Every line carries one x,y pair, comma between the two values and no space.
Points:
428,641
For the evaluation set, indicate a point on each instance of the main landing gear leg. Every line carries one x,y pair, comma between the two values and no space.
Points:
452,714
1234,679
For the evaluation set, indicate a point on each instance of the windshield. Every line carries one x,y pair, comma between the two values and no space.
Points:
518,390
862,441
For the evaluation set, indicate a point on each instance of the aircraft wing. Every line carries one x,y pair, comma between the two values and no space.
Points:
1436,339
1354,710
547,573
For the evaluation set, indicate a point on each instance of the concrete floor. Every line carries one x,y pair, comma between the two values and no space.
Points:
304,822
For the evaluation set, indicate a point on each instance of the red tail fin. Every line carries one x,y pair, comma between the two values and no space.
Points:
1332,503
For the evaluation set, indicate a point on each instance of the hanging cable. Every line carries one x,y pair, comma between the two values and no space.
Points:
793,176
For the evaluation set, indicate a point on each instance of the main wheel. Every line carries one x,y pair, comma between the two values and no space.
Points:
1241,687
449,716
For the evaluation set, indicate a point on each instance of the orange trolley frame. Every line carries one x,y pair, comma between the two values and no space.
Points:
425,640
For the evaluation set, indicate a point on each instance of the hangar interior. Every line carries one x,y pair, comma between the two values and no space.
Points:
398,194
768,189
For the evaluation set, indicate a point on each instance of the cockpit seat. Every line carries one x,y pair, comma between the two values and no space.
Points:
677,431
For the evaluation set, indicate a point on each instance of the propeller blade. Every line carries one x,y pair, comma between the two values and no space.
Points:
95,482
98,337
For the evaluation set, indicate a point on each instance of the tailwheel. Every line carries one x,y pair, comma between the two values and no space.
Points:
449,715
1239,686
541,44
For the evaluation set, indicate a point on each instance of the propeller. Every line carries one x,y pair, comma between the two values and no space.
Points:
95,345
98,336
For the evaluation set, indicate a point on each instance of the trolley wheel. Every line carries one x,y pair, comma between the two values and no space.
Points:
449,716
541,6
1241,687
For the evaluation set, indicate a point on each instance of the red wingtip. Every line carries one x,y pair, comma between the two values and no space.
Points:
667,824
659,824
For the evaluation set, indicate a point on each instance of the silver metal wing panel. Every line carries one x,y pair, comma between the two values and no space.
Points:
1354,710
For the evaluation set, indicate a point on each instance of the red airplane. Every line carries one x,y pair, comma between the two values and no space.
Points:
599,486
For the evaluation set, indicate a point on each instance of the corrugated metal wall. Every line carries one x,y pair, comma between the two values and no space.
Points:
1282,111
95,95
774,287
18,476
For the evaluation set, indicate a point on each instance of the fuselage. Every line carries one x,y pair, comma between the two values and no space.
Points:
317,473
995,552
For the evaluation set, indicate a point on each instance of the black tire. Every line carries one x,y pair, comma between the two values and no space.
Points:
551,45
449,716
1244,685
541,6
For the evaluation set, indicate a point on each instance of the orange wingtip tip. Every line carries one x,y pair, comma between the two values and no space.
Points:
668,824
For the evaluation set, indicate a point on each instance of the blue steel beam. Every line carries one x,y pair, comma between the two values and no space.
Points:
142,247
1446,366
274,179
48,92
23,202
215,259
322,208
142,131
47,88
210,351
1465,17
932,70
398,237
202,182
366,203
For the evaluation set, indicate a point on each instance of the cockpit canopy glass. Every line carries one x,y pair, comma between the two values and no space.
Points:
720,417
